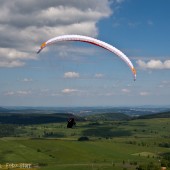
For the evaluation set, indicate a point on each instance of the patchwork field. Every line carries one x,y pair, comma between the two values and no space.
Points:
108,145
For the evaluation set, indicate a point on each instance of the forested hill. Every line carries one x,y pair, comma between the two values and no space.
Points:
108,116
122,116
26,116
157,115
26,119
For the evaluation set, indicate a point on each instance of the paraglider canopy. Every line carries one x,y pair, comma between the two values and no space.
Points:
90,40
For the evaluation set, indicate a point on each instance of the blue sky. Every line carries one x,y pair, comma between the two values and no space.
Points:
79,74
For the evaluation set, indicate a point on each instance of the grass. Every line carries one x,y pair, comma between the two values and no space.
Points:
113,145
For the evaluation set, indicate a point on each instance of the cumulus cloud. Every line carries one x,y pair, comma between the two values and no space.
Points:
109,94
10,57
23,93
144,93
125,90
71,75
27,80
18,93
9,93
12,54
98,75
154,64
26,24
68,91
11,64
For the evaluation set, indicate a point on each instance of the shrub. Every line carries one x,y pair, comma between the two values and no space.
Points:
83,138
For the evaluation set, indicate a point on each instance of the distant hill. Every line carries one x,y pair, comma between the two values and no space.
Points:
3,110
108,116
157,115
27,119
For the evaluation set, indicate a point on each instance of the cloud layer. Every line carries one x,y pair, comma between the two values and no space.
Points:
154,64
69,91
26,24
71,75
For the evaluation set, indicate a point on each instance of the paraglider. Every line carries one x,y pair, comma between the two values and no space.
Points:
90,40
71,122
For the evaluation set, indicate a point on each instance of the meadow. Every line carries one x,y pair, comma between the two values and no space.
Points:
107,145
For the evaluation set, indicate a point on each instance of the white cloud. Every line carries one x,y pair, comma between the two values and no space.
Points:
125,90
71,75
23,92
99,75
154,64
24,25
109,94
27,80
11,64
68,91
13,54
10,57
144,93
56,94
9,93
18,93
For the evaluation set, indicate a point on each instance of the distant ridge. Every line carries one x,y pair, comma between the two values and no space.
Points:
156,115
28,119
3,109
108,116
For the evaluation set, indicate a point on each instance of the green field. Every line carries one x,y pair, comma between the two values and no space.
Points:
118,145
